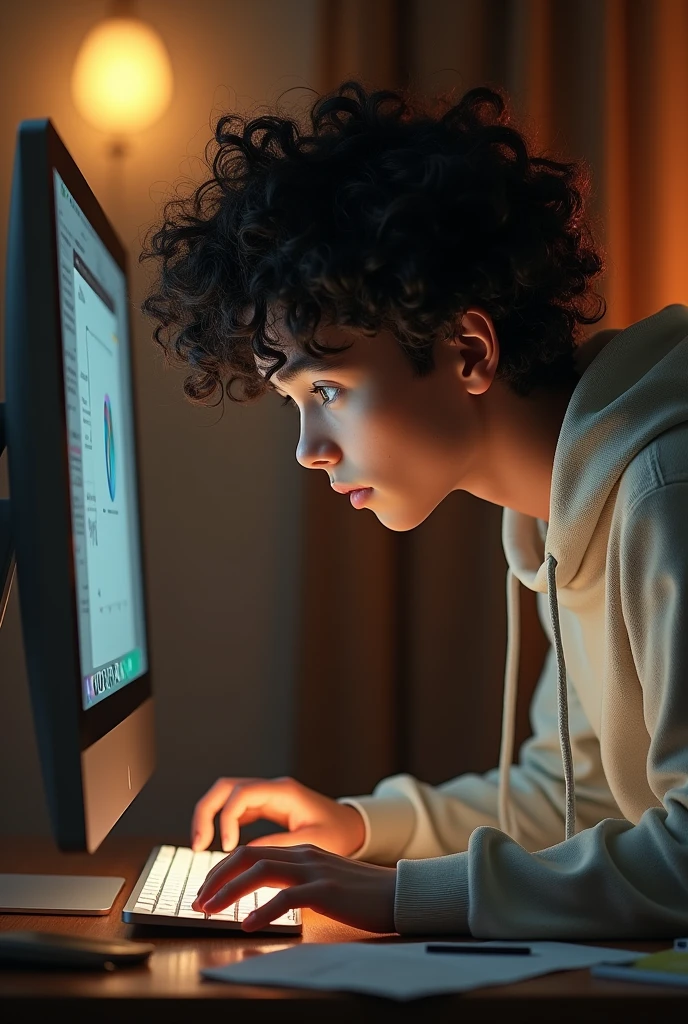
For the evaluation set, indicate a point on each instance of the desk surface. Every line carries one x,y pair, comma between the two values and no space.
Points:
161,990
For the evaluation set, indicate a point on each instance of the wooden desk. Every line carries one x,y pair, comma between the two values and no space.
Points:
166,987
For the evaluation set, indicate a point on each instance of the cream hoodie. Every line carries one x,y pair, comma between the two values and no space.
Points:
611,573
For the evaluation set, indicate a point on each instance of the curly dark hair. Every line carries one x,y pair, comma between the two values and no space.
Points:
385,212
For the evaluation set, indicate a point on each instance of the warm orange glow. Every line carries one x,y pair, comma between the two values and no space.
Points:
122,79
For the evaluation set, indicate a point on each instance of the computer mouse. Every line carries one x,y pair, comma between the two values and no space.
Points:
51,949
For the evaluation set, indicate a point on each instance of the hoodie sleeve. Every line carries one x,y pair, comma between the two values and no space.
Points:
615,879
405,818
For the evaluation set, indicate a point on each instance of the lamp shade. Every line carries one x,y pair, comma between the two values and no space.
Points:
122,78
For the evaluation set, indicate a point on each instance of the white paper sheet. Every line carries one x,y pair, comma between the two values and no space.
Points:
404,970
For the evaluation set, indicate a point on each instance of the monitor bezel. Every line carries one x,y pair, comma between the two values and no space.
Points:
100,718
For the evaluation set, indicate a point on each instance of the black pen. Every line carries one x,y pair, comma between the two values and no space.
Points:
464,947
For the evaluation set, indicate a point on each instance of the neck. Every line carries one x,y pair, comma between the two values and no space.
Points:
514,468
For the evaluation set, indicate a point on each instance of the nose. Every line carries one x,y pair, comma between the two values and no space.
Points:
317,453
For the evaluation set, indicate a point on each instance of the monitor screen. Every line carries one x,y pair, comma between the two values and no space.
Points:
100,427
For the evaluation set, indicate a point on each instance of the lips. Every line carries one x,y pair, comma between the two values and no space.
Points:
359,496
346,488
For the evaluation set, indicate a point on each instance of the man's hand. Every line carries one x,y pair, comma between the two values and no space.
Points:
309,816
356,893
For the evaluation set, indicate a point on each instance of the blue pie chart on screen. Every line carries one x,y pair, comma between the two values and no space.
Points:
110,462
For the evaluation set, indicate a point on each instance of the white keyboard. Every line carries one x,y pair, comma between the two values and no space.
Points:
169,884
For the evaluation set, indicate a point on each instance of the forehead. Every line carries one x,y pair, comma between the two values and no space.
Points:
300,361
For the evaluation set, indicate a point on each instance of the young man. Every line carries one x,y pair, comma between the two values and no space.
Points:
413,283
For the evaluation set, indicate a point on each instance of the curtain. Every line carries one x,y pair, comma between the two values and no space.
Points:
403,635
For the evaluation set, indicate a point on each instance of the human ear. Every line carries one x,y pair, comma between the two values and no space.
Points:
479,351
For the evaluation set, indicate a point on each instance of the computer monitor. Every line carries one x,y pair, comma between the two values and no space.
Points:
70,431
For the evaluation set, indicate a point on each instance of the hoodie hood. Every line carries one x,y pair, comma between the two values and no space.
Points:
635,388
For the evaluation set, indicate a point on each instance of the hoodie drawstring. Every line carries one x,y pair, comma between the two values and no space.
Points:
505,815
562,701
506,753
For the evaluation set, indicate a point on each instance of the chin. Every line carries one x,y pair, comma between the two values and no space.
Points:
403,520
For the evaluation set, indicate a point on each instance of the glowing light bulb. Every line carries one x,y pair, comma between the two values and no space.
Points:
122,78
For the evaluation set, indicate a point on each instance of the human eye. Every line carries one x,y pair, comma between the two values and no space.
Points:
322,389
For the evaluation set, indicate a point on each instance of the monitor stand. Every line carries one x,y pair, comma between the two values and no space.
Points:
44,894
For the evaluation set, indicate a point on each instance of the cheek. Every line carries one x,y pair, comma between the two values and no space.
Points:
400,448
377,445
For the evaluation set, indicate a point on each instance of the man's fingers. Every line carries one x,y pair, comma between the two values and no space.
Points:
203,821
240,801
289,898
250,815
271,799
276,872
242,861
277,839
221,867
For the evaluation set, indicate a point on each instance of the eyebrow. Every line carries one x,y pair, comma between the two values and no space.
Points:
302,363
